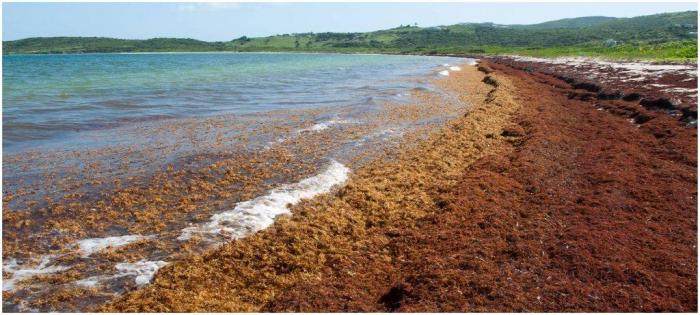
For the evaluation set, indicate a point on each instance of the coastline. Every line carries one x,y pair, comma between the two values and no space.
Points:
457,219
323,158
532,201
457,55
143,205
326,233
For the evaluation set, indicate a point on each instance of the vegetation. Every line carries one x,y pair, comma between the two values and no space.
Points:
675,51
671,36
50,45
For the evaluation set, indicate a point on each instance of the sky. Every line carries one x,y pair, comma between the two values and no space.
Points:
226,21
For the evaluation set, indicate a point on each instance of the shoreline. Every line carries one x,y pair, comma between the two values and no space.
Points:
27,134
456,221
143,215
454,55
326,233
532,201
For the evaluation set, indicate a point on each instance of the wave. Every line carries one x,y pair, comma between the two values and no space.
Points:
92,245
86,247
324,125
383,135
26,271
253,215
142,271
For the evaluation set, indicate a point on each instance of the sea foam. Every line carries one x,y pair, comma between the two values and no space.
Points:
90,246
317,127
23,272
444,72
256,214
323,125
143,270
86,247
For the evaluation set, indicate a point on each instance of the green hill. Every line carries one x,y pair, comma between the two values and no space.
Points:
104,44
587,21
667,35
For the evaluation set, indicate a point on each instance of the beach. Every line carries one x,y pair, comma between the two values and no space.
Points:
361,157
539,191
96,213
532,201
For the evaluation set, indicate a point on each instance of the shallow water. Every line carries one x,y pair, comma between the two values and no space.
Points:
96,212
51,97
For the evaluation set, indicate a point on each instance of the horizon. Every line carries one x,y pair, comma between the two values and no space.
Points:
226,21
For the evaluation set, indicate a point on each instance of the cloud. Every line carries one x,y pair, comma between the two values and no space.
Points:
207,6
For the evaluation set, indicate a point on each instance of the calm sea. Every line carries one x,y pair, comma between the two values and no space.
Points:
104,136
50,98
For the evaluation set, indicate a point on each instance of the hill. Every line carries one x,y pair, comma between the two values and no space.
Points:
103,44
572,23
672,35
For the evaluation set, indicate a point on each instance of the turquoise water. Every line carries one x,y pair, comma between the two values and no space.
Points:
80,129
50,97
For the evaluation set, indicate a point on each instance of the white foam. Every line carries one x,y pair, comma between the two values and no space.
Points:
23,272
323,125
473,63
256,214
455,68
143,270
91,282
383,135
92,245
315,128
318,127
444,72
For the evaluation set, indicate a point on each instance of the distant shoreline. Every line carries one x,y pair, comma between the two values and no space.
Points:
239,52
455,55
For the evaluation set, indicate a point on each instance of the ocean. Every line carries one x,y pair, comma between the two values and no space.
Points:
49,98
115,165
